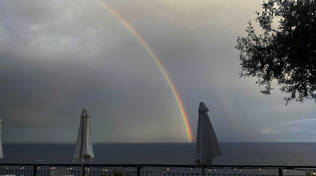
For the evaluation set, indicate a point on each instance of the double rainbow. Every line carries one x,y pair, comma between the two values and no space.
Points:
158,62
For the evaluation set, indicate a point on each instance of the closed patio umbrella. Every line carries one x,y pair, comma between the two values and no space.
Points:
207,147
1,149
84,149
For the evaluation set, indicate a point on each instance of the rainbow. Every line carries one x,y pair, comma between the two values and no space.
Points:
158,62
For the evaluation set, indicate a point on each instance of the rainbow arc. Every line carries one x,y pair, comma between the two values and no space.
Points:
158,62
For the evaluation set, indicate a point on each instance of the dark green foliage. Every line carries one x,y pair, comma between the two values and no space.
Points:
285,49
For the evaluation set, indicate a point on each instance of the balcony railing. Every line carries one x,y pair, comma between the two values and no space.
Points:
93,169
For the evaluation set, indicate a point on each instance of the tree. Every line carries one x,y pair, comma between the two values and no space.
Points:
284,49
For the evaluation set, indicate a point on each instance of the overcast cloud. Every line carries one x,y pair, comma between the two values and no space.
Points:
58,56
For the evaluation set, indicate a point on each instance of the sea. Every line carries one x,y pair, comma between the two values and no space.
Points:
167,153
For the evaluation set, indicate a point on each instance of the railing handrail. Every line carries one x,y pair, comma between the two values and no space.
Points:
74,164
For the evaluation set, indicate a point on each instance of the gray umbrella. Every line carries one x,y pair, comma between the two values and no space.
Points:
207,147
84,149
1,149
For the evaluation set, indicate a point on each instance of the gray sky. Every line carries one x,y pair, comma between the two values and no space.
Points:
58,56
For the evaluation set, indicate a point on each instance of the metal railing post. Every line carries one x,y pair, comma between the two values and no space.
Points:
138,170
34,170
280,172
83,170
203,170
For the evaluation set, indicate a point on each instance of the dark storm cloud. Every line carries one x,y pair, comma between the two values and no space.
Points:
59,56
51,95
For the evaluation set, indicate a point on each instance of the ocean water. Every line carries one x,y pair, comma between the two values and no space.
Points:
168,153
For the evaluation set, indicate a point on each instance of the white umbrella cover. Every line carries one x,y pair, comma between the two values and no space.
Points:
1,149
84,149
207,147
